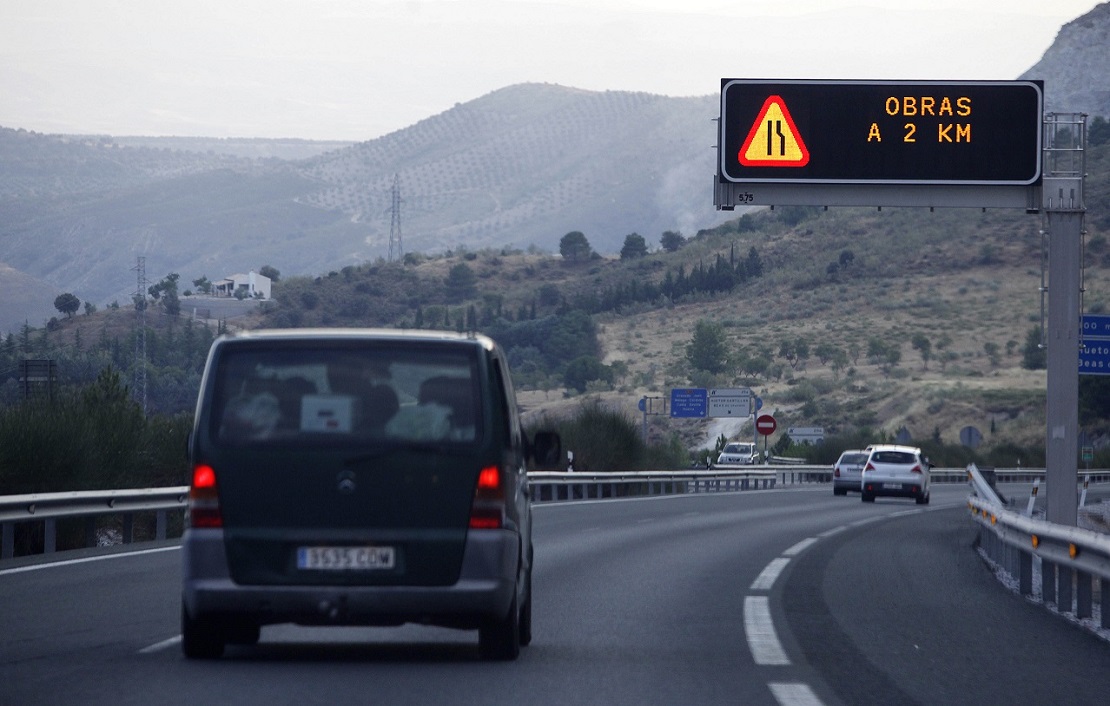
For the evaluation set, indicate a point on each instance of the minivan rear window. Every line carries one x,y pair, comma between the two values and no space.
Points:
343,393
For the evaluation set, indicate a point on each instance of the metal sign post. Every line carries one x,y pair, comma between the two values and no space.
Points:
1065,139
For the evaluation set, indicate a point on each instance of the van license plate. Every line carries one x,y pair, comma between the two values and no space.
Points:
345,558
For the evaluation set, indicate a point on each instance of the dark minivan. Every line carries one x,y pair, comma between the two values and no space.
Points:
358,477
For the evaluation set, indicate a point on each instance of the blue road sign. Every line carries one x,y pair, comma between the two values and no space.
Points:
1094,357
689,402
1095,327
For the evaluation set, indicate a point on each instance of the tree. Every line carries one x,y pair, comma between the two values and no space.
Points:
203,285
634,246
1099,131
67,304
796,352
166,293
672,241
574,247
924,346
992,350
1033,356
708,349
754,265
581,371
270,271
462,283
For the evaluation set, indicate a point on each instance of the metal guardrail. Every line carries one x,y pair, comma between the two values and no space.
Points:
1069,556
48,508
547,486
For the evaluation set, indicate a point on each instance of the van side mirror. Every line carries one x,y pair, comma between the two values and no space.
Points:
546,448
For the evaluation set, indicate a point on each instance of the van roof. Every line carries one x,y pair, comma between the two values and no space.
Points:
380,334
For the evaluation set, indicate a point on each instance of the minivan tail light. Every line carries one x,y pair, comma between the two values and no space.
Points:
204,498
916,469
869,467
488,508
836,472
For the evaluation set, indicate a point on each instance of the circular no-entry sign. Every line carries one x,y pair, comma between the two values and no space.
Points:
765,424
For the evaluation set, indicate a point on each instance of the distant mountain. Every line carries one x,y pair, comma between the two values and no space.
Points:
519,167
1076,68
24,299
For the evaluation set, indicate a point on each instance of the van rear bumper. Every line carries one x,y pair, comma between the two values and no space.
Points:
484,589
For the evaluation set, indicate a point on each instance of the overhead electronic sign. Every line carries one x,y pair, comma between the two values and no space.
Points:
880,132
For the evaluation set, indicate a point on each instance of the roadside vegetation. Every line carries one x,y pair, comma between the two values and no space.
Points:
862,322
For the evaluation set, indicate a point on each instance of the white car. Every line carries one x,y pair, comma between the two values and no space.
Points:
847,471
738,453
895,471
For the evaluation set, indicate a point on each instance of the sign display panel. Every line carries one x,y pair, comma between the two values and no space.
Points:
1094,356
687,402
731,402
881,132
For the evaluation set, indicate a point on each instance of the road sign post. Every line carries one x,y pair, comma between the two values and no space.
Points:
765,424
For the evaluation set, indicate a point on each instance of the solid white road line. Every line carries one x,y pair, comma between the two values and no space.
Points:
760,629
69,562
159,646
794,694
799,547
767,577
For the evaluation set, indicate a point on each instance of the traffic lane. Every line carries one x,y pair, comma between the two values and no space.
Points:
62,622
640,601
680,611
905,610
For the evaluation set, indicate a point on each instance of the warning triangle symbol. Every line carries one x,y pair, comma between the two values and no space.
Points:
774,140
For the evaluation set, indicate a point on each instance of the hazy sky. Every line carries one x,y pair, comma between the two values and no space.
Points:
359,69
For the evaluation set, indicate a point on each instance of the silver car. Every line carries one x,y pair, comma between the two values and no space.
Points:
358,477
738,453
848,471
895,471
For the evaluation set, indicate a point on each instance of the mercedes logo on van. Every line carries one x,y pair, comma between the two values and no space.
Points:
346,482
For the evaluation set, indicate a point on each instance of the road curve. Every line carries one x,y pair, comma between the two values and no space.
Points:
653,601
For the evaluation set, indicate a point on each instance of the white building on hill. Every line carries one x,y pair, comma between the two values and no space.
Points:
252,284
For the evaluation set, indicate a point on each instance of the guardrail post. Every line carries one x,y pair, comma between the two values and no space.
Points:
1048,581
49,536
160,525
90,531
1105,602
128,528
1065,576
7,541
1025,573
1083,597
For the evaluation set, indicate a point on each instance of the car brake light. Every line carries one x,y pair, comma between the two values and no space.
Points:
836,472
204,498
869,466
488,509
916,469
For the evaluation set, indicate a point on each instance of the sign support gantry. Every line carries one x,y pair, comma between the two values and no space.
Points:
1064,173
